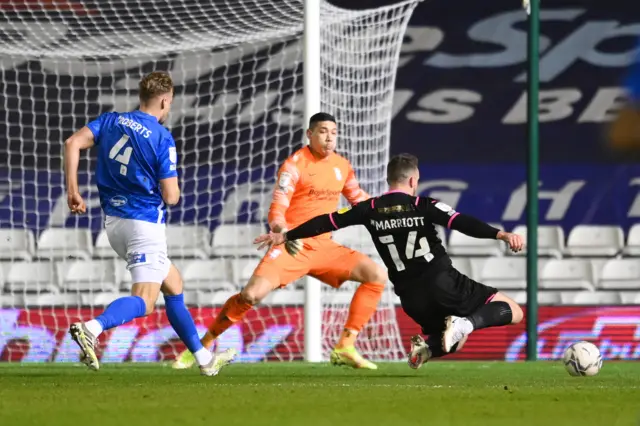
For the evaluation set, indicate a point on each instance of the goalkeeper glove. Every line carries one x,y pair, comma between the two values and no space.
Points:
293,247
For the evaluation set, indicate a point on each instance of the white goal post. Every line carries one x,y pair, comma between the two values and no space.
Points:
248,77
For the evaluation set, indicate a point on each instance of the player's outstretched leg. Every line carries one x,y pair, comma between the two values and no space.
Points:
233,311
501,310
182,322
119,312
363,305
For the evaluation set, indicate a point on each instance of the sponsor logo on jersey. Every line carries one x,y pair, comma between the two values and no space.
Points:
323,194
344,210
118,201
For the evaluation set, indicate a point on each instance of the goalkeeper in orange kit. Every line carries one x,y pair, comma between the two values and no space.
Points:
309,184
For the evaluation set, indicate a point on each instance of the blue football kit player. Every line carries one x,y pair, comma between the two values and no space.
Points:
137,177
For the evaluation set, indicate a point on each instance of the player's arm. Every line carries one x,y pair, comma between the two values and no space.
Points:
168,171
352,190
442,214
317,226
80,140
329,222
286,182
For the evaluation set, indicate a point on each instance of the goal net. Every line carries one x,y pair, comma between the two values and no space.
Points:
237,114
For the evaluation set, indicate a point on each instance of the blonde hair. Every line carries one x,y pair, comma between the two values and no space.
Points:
155,84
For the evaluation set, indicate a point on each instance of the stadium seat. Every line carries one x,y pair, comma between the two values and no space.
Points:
590,298
566,274
463,245
52,299
31,277
442,234
88,275
100,298
550,241
103,249
11,300
213,298
630,297
242,270
356,237
211,275
620,274
544,297
594,240
188,241
597,264
462,264
60,243
236,240
504,273
284,297
17,244
633,241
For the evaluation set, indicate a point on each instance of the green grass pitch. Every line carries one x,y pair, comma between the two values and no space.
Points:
284,394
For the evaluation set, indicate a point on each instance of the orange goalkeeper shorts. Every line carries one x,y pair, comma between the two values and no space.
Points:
323,259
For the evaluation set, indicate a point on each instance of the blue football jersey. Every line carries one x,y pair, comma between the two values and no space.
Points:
135,152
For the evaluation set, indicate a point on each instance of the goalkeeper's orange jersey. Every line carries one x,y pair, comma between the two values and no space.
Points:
307,187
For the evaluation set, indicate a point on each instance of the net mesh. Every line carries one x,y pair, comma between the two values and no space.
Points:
237,114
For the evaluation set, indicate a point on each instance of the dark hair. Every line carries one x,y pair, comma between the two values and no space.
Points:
401,167
320,116
155,84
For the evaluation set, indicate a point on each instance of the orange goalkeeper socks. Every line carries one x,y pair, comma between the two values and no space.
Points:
232,311
363,305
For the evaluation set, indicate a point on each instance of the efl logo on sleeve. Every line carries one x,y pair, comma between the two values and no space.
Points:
173,155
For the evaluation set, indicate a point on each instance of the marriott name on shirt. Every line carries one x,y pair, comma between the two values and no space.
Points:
405,222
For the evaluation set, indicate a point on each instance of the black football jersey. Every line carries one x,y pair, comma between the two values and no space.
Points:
403,231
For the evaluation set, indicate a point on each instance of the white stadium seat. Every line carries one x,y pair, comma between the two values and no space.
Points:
630,297
464,245
504,273
17,244
215,298
52,299
566,274
210,275
356,237
463,265
103,249
60,243
620,274
188,241
242,270
550,240
442,234
33,277
11,300
236,240
544,297
100,298
595,240
633,241
88,275
590,298
285,297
